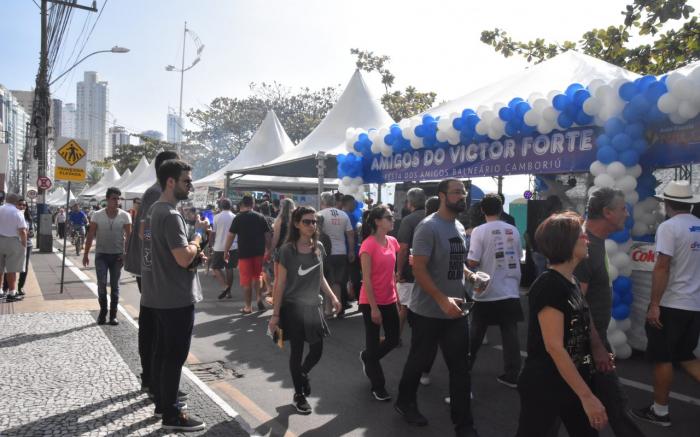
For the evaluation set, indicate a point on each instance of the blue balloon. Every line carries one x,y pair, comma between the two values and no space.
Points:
627,91
655,90
629,157
627,298
505,114
614,126
643,83
622,284
606,154
472,120
603,141
621,142
458,123
564,120
571,89
640,145
581,96
560,102
514,101
621,312
521,108
635,130
583,119
629,222
528,130
640,104
511,129
620,236
654,115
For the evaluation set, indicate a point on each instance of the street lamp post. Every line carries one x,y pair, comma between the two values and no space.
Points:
115,49
182,69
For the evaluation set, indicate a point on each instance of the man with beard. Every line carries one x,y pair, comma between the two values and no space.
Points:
434,312
171,288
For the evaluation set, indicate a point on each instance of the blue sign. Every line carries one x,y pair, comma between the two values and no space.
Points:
556,152
673,145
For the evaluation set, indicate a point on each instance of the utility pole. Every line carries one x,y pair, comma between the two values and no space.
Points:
40,122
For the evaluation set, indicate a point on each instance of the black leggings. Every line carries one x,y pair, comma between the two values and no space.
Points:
374,349
295,365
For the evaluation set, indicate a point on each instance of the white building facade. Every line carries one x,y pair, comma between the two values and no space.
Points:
92,105
13,132
174,127
68,121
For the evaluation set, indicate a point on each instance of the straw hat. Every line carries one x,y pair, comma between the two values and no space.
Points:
679,191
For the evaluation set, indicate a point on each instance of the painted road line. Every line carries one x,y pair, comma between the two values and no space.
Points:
637,385
192,377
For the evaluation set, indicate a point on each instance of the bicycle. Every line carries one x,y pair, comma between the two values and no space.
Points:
77,238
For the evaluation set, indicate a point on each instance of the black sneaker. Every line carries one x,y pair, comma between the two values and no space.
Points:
181,395
114,322
301,404
181,406
411,414
508,381
224,293
182,422
13,298
20,293
381,394
647,414
305,384
364,364
261,306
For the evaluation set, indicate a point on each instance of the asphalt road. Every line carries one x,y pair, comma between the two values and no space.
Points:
341,401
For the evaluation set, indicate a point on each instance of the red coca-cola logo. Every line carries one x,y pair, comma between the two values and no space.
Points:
642,255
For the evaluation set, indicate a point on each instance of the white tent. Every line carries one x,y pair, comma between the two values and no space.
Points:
556,73
354,108
140,181
269,142
109,178
125,179
58,198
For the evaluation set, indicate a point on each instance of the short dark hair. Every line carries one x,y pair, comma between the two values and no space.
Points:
225,204
247,201
601,199
678,206
164,156
265,208
432,205
171,168
113,190
557,236
348,199
491,204
445,184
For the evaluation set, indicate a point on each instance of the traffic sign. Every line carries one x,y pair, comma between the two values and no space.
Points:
43,182
31,194
70,160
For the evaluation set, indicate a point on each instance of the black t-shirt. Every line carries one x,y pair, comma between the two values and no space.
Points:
594,271
250,227
551,289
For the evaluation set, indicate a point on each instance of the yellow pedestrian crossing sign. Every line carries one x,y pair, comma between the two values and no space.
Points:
70,160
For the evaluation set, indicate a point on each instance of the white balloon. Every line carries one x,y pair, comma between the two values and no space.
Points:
545,127
612,272
357,181
350,134
603,91
677,118
532,117
668,104
632,197
482,127
616,337
639,212
635,171
595,84
604,181
688,109
552,94
623,351
489,115
592,105
625,183
347,180
624,325
625,270
616,84
625,247
616,169
695,75
387,151
681,88
550,114
598,168
540,104
612,325
497,106
534,97
481,109
496,128
444,124
672,78
416,143
610,247
640,228
620,260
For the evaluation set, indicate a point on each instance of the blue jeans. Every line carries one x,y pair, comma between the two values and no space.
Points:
108,263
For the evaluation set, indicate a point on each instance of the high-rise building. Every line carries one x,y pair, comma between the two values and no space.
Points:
13,132
174,127
68,120
92,103
57,117
118,137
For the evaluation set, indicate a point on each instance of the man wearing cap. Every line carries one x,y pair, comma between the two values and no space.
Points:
673,317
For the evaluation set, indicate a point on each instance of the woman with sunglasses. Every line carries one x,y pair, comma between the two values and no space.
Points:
556,377
296,310
378,297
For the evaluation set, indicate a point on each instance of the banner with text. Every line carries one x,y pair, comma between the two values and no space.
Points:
556,152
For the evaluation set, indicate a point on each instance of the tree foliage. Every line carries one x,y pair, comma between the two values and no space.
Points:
128,156
228,123
399,104
669,49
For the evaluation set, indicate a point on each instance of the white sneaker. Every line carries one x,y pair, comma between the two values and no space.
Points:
425,379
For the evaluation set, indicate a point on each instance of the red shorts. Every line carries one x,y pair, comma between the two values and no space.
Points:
250,269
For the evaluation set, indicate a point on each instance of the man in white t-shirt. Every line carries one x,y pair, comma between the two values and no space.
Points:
495,249
13,245
222,223
336,224
112,227
673,317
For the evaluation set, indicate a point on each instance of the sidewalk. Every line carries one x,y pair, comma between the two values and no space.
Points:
64,375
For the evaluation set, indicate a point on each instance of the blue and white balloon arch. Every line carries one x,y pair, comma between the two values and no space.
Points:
626,110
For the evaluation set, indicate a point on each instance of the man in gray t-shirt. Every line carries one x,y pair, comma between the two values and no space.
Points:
435,316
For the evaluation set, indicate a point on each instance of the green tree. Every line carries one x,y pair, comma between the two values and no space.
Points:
228,124
399,104
669,49
128,156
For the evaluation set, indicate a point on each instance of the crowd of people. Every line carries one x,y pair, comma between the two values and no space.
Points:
449,277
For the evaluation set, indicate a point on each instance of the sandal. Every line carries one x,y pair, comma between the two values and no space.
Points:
246,311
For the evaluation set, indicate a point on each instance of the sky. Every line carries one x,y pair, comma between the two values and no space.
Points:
433,46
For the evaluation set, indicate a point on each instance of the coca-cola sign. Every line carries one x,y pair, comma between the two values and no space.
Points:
643,256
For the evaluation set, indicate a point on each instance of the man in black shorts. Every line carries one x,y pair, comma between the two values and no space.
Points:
222,222
673,317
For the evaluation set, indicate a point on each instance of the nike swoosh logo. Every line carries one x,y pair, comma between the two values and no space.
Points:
304,272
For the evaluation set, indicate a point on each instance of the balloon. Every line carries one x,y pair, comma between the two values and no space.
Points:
624,325
612,272
629,157
628,91
616,337
616,170
622,284
668,104
620,236
614,126
610,247
532,117
564,120
598,168
621,312
632,197
623,352
606,155
550,114
626,183
640,229
604,181
592,106
621,142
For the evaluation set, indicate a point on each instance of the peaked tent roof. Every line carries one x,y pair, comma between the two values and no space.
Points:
126,176
58,197
556,73
354,108
269,142
140,182
108,178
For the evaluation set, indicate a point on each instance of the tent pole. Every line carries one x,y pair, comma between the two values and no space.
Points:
379,194
321,165
226,184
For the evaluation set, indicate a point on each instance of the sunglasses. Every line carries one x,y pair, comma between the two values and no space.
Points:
309,222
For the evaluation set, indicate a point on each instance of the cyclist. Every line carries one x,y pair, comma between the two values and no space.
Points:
78,220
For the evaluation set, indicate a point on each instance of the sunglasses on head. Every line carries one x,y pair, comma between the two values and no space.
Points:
309,222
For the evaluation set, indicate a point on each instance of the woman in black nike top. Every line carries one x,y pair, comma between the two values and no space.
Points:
557,373
297,300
